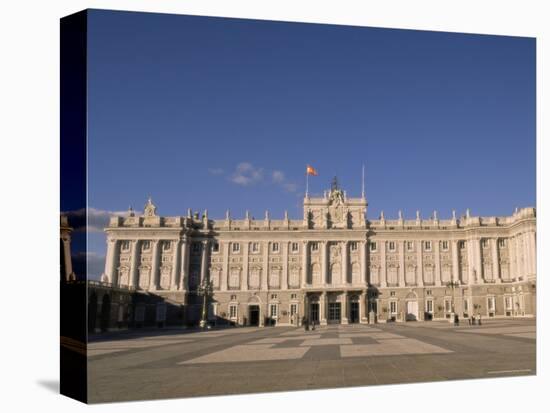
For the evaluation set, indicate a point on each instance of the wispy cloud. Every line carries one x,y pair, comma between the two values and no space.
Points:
216,171
246,174
279,178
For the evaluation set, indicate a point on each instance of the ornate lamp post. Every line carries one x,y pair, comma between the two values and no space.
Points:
452,285
205,290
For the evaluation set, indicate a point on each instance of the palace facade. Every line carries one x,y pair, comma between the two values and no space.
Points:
332,266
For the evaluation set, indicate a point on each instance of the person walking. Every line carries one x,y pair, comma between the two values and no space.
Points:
456,320
478,319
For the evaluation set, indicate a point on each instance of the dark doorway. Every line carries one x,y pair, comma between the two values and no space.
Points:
105,313
314,312
354,312
334,313
92,312
254,315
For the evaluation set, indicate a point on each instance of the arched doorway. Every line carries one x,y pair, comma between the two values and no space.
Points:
411,306
354,309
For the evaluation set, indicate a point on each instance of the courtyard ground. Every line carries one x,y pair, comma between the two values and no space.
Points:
178,363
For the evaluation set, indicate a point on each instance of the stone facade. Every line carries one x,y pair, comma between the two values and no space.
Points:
332,266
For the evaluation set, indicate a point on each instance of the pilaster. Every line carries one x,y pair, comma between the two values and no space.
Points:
225,270
184,273
345,259
495,261
284,281
420,264
305,263
324,262
383,279
265,272
134,264
175,267
437,259
455,274
401,246
244,281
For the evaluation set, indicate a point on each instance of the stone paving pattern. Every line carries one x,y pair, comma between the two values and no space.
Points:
177,363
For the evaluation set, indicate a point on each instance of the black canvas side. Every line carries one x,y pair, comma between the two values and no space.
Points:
73,64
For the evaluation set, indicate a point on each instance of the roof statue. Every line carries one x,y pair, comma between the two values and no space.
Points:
150,209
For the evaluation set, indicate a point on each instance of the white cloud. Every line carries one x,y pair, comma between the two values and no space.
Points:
246,174
92,260
98,219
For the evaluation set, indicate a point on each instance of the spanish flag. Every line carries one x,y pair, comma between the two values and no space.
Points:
310,170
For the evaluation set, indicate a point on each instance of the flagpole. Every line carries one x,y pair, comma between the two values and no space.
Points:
307,183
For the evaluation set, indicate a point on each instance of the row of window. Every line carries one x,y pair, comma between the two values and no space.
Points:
273,310
273,297
145,245
427,245
508,304
294,247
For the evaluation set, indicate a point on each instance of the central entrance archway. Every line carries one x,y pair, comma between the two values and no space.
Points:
254,315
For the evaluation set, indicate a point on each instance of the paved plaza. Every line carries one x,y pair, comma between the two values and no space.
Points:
177,363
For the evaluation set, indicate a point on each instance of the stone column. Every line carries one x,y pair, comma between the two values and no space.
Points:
512,248
345,259
383,279
363,259
184,272
204,261
420,265
305,263
477,255
244,281
323,309
533,249
471,262
363,308
437,268
324,262
284,281
345,308
134,264
455,274
401,246
175,266
153,282
265,273
529,249
525,255
225,271
67,257
495,263
110,261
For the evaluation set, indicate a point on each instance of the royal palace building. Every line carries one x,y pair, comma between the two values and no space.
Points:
332,266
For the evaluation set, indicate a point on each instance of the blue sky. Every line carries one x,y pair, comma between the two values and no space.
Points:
225,114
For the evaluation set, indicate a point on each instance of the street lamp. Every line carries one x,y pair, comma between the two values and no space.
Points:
452,285
205,290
